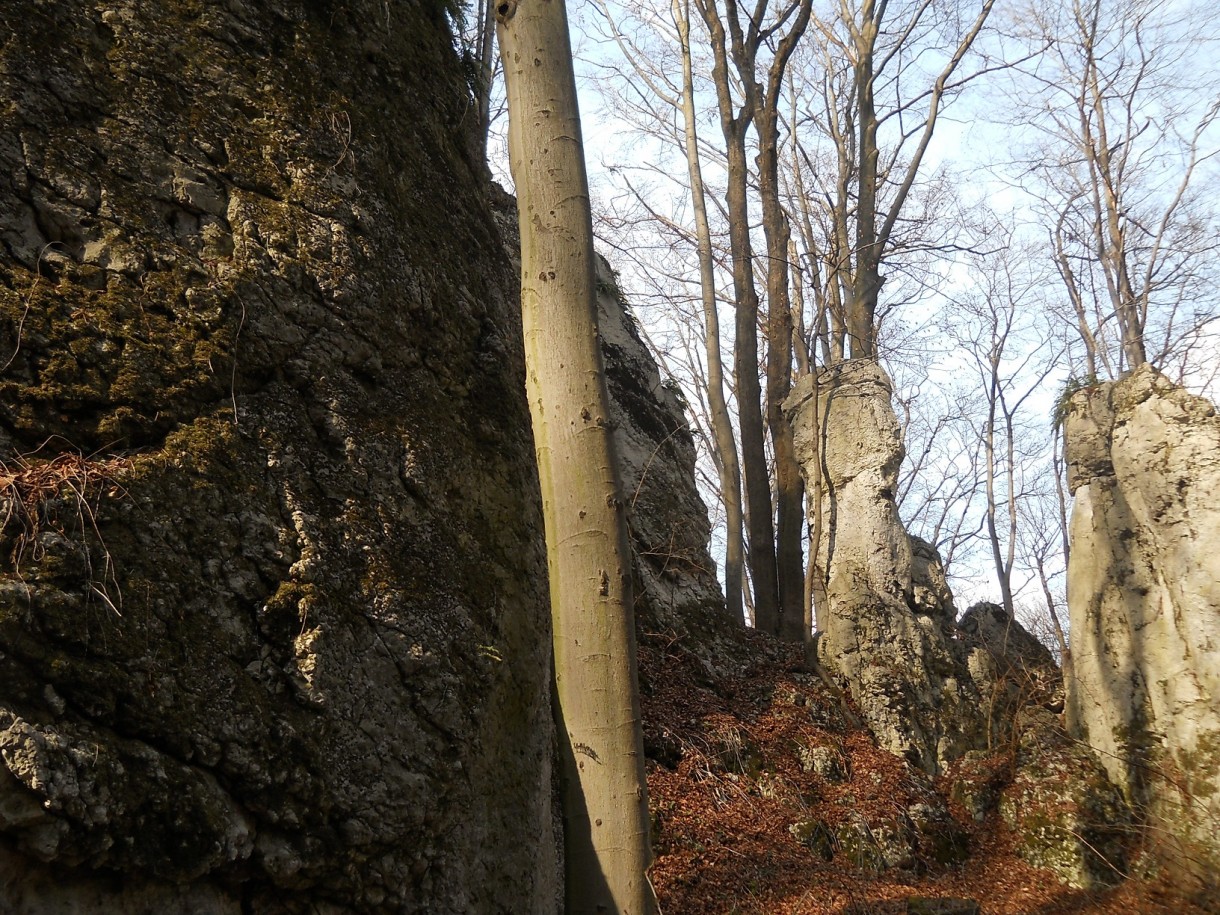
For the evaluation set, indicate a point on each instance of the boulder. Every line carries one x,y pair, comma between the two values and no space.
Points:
1066,815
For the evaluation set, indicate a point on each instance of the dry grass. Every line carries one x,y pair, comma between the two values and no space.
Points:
61,495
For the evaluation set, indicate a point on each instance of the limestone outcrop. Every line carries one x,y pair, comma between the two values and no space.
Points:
1143,460
887,626
274,633
273,623
677,590
1013,670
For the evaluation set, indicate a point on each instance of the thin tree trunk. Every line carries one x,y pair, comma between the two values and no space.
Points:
722,426
757,487
867,286
1056,626
761,106
827,328
749,401
789,487
486,57
1002,571
605,801
1010,472
800,333
1061,499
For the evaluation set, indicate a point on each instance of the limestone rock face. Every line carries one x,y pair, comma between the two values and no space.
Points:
887,626
1144,598
273,624
991,626
929,586
677,590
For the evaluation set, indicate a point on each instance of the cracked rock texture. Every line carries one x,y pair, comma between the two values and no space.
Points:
273,628
1144,597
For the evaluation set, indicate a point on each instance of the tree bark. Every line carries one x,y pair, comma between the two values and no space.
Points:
757,486
861,328
722,427
789,487
605,801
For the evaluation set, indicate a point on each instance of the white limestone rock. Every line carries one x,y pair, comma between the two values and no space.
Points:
1144,600
887,627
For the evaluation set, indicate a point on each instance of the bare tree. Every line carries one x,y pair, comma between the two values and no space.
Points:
1125,126
1043,545
725,450
735,120
866,126
647,225
999,327
763,97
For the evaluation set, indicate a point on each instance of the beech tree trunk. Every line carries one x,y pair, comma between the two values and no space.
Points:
761,106
605,802
789,487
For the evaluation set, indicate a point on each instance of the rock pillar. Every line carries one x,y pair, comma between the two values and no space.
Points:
1144,599
887,634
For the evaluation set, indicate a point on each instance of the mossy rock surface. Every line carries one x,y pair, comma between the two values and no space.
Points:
1067,816
273,625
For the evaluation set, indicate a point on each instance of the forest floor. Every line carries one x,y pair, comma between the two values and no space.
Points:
726,783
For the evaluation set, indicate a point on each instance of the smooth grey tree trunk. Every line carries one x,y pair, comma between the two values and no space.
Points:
605,801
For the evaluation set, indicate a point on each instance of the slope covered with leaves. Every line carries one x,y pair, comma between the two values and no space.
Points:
767,799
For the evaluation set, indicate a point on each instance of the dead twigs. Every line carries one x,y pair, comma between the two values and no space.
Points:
33,493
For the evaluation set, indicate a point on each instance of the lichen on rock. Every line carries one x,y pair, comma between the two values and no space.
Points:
1066,815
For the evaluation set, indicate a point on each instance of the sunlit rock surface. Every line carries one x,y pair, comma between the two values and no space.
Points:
887,626
1144,597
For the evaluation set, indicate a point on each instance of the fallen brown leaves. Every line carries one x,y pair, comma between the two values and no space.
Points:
726,783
